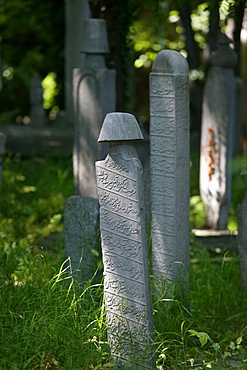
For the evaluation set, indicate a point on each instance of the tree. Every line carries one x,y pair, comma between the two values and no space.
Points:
32,40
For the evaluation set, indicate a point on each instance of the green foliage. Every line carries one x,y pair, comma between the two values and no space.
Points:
32,40
48,324
49,85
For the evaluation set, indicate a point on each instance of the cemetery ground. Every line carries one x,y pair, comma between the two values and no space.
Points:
47,322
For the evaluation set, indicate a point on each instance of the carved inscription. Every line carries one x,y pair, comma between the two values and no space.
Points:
162,106
112,180
162,85
159,227
121,246
118,204
163,145
158,127
128,268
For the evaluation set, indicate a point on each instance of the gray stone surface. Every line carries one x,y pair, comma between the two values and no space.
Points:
217,137
94,30
242,236
170,168
124,246
94,97
37,114
81,236
76,12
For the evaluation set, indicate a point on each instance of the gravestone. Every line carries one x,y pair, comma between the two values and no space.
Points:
217,136
37,114
81,236
76,12
94,97
242,236
170,168
124,247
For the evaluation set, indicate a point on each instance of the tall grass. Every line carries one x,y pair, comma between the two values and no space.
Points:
48,322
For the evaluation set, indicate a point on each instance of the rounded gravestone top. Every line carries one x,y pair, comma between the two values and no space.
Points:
224,56
170,61
120,127
94,37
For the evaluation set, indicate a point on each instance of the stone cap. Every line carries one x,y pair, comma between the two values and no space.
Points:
224,56
120,127
94,37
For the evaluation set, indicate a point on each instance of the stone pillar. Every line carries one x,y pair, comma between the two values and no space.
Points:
76,12
170,168
124,246
81,236
242,236
94,97
37,114
217,136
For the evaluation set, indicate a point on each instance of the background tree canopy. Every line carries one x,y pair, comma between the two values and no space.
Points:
32,40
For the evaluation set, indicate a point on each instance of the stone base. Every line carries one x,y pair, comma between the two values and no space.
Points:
212,239
28,141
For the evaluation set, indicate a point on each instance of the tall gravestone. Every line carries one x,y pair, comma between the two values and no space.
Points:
170,168
124,247
217,136
81,236
94,97
76,12
37,114
242,236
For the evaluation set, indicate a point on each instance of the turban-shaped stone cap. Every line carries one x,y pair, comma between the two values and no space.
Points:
120,127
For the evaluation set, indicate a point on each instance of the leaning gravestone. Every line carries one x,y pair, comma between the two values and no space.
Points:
81,236
217,136
170,168
124,248
94,97
242,236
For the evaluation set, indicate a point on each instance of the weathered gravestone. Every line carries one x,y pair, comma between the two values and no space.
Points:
242,236
37,114
217,136
124,247
81,236
94,97
170,168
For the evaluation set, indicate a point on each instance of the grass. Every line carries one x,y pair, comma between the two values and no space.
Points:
47,323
